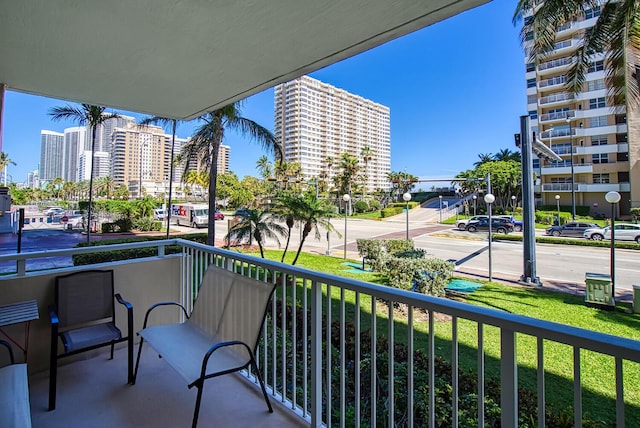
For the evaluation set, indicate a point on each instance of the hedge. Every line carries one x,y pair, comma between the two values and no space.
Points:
567,241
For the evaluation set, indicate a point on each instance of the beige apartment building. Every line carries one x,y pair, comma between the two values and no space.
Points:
600,138
316,121
142,154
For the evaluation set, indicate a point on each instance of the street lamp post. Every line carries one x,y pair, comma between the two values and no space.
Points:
407,197
475,199
440,197
489,200
346,199
558,207
613,198
513,201
573,176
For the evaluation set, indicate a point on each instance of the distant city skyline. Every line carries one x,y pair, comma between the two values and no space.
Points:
455,89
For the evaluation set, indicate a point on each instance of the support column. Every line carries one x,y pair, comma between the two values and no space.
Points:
3,87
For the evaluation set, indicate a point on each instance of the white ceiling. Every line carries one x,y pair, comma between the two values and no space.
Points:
180,58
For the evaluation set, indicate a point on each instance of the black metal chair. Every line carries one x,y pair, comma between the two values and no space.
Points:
83,317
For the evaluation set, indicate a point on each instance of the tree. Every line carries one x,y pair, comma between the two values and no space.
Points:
349,166
367,155
105,185
287,208
4,164
313,212
86,115
260,225
507,155
483,158
205,146
264,167
506,179
616,29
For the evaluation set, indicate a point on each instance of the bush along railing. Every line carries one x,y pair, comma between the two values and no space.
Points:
567,241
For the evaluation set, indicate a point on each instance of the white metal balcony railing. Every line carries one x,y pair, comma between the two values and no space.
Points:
559,187
298,367
558,80
558,133
560,115
555,98
560,62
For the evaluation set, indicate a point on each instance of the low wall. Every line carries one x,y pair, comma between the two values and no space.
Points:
142,282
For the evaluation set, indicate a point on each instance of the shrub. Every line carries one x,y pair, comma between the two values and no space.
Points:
417,253
397,245
374,205
124,224
429,276
361,206
391,211
635,214
146,224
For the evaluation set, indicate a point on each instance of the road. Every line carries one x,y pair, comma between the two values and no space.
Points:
554,262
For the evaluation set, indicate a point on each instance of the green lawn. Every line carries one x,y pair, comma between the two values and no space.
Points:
598,382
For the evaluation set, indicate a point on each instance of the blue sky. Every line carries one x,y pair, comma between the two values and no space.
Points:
455,89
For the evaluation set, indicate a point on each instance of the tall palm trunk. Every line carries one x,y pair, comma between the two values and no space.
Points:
89,208
173,143
286,247
305,233
213,178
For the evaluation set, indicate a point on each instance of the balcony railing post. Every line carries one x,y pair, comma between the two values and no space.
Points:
508,379
21,267
316,354
161,250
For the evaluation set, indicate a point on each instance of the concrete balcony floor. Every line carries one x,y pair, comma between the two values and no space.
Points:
92,392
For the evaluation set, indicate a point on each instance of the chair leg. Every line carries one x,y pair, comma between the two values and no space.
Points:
112,345
196,411
259,376
135,371
53,374
130,360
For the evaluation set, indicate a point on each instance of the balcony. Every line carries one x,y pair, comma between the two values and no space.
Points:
296,364
554,66
556,99
564,169
560,116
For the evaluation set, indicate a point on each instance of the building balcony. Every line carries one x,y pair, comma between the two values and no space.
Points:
604,187
582,168
554,66
292,352
607,148
556,99
560,116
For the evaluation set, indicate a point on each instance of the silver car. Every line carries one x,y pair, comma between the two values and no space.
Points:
624,232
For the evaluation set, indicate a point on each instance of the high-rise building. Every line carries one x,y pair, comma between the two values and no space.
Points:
74,142
101,165
33,179
315,121
51,155
223,159
587,130
104,132
139,153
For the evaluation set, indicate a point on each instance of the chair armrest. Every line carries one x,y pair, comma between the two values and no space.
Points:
5,343
53,315
120,300
205,360
129,307
156,305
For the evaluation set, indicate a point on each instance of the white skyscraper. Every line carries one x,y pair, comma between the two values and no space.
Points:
315,121
51,155
74,142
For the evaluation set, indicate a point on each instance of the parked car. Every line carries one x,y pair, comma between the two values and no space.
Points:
217,215
52,210
241,212
625,232
573,228
517,224
498,225
70,222
462,224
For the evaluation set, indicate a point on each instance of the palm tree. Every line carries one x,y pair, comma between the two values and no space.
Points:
367,155
4,164
205,145
86,115
616,30
483,158
507,155
264,167
313,212
349,166
287,207
257,224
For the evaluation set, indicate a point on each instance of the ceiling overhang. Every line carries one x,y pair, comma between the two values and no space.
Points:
181,58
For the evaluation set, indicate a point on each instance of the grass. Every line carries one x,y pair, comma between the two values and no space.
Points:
598,381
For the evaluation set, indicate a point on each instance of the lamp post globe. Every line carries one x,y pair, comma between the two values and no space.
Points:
490,199
407,197
346,198
513,201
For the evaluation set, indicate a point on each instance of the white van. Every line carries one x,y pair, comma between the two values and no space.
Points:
159,214
194,215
